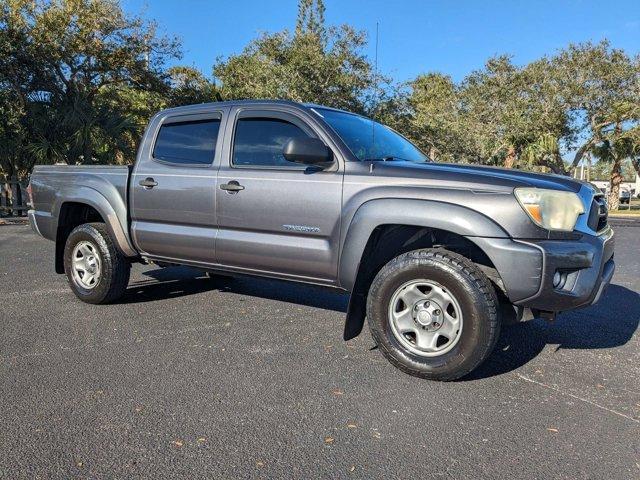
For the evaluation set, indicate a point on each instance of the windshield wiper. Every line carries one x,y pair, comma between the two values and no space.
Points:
385,159
391,158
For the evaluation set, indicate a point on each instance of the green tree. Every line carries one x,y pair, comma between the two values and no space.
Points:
64,62
501,115
600,88
583,100
316,64
437,123
189,86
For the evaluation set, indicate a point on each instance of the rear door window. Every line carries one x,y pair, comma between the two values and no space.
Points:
187,142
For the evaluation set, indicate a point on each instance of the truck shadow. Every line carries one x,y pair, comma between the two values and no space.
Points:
611,323
174,282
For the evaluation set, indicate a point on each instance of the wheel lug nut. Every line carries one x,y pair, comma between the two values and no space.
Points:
436,311
426,304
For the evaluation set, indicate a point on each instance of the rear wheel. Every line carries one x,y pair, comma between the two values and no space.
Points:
96,270
433,313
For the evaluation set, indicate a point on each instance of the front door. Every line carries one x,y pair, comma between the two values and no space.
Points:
274,216
173,188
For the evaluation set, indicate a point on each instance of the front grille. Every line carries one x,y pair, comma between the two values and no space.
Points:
598,213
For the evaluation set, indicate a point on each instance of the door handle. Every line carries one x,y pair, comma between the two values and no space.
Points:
232,187
148,183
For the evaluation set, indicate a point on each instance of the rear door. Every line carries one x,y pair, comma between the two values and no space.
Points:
283,218
173,187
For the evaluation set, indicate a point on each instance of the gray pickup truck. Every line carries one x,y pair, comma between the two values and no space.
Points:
435,256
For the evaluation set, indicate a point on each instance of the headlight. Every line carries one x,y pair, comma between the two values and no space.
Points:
551,209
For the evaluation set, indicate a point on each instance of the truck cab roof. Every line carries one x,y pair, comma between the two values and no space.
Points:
235,103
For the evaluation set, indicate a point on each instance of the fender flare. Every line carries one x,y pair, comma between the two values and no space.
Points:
114,215
420,213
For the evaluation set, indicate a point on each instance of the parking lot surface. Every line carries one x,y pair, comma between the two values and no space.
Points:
189,377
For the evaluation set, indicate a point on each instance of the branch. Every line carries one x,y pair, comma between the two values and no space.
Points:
581,151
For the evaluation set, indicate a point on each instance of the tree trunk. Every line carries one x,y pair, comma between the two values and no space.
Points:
510,159
616,180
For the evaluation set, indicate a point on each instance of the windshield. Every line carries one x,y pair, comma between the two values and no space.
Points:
369,140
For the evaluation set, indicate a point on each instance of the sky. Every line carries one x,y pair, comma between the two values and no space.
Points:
452,37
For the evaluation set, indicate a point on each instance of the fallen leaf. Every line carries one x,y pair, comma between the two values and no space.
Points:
351,425
337,392
554,430
328,440
259,464
353,467
177,443
201,440
600,386
79,464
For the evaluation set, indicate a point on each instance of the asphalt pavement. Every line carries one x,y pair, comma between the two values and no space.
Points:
189,377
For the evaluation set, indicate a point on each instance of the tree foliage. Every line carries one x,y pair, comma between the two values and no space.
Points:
315,64
68,64
545,115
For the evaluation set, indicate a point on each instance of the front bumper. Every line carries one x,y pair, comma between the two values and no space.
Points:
527,270
587,266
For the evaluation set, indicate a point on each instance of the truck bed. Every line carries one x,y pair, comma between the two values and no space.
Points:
56,187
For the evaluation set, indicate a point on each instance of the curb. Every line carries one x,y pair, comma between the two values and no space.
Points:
14,221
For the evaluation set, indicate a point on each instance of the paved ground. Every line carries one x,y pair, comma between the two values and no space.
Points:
195,378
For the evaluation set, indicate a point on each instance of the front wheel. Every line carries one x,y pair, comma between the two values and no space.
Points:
433,314
96,270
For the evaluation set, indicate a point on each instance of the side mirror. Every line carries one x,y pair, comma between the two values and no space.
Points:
308,151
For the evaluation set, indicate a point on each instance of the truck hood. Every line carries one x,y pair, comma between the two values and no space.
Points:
478,176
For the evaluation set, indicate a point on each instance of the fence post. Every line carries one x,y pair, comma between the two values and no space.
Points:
24,196
6,194
14,196
3,196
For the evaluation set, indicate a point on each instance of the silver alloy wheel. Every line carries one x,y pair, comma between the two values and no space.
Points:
86,266
425,317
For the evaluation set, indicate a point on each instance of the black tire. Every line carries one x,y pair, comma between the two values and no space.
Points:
466,283
115,268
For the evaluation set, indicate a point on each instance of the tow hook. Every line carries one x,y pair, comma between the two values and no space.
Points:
546,315
522,314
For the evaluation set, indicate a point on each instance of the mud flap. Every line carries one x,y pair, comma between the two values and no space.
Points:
356,313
